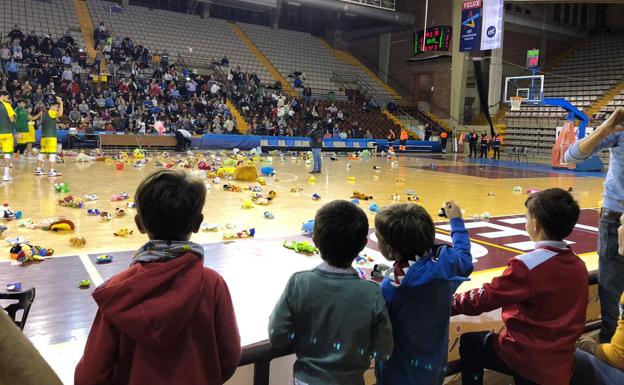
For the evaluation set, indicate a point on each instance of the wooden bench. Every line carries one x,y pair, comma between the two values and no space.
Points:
113,141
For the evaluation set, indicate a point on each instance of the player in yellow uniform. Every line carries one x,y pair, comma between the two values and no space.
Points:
48,137
25,128
7,118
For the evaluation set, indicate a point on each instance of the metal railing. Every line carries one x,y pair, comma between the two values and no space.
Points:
383,4
261,354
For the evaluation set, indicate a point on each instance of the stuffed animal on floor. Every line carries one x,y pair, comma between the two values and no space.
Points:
6,213
106,216
123,232
374,208
103,259
70,201
82,157
247,204
24,252
301,247
250,233
120,197
361,196
308,227
62,188
231,187
62,225
77,241
209,227
246,173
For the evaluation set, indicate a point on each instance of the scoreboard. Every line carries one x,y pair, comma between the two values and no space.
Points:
436,39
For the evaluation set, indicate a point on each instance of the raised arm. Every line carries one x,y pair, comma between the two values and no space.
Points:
601,139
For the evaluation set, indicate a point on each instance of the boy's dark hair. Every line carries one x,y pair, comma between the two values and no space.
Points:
408,228
555,210
169,202
4,93
340,232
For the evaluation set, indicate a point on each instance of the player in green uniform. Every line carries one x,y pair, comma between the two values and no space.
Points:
25,129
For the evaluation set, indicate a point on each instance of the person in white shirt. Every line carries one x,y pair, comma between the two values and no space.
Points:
214,90
343,135
68,75
281,101
229,126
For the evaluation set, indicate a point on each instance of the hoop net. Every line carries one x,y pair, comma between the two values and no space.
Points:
516,102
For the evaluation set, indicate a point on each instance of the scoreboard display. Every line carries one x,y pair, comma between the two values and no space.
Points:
436,39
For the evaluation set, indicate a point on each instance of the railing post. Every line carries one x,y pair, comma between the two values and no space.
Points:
262,370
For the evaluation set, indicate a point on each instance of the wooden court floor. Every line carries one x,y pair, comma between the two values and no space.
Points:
62,313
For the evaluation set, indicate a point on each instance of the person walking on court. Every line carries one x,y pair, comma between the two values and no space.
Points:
496,145
608,136
472,139
485,145
443,138
403,138
316,144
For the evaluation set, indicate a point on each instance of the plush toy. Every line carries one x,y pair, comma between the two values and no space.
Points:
250,233
69,201
413,198
84,284
517,189
93,212
377,168
77,241
203,165
209,227
296,190
261,181
308,227
312,180
245,172
532,191
120,197
14,286
247,204
301,247
316,197
106,216
255,188
231,187
103,259
6,213
90,197
120,212
138,153
62,188
365,154
62,225
24,252
374,208
355,201
123,232
351,179
3,229
361,196
131,204
267,171
268,215
82,157
216,180
396,197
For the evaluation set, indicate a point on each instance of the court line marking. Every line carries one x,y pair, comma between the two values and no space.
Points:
484,243
95,276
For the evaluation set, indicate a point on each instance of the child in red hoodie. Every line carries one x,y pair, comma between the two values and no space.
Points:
166,319
543,296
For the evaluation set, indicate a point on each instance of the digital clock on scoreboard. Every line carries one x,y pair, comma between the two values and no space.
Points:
436,39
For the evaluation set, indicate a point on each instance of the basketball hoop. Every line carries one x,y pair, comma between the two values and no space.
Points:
516,102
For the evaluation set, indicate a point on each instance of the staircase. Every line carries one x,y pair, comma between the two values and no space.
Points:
605,99
263,59
412,132
241,123
86,26
347,58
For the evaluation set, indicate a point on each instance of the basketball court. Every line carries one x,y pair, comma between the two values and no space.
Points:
257,269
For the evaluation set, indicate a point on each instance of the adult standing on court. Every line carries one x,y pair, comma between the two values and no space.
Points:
316,144
609,135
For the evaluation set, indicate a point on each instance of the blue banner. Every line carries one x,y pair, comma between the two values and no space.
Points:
470,38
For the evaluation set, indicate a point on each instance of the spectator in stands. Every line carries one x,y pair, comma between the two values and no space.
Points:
419,290
543,295
32,41
334,320
12,69
392,106
307,95
225,61
16,34
74,115
609,135
5,55
18,53
187,331
368,135
428,132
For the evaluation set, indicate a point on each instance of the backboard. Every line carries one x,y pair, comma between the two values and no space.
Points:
530,87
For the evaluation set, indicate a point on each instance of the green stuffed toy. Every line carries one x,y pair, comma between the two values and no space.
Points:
301,247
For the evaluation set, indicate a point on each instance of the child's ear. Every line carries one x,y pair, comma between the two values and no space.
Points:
139,224
198,221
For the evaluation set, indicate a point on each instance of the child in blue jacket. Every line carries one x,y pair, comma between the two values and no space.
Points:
419,291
